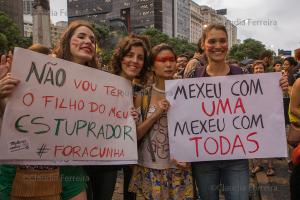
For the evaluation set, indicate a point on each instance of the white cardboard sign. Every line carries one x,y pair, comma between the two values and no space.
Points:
228,117
62,111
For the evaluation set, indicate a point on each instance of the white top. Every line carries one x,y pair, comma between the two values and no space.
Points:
160,143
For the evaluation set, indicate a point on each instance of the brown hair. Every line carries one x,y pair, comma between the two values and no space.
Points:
258,62
211,27
157,49
123,48
63,49
40,49
297,54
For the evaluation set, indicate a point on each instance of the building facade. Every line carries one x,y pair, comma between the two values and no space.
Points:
136,15
197,23
177,18
27,7
55,29
182,19
14,9
202,16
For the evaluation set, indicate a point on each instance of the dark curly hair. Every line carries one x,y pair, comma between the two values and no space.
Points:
123,48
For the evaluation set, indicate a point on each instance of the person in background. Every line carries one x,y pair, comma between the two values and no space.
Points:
290,66
258,67
277,66
267,57
293,72
198,58
233,62
181,62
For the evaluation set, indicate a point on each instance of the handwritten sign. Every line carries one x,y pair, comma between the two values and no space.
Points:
62,111
223,118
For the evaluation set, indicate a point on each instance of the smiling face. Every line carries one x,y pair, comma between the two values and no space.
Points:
132,63
215,45
165,64
286,65
82,45
258,68
181,61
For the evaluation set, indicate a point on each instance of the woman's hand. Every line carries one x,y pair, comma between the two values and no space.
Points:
135,114
7,85
183,165
5,64
162,106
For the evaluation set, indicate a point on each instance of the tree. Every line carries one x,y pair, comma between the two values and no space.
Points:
250,48
3,43
10,35
107,37
180,45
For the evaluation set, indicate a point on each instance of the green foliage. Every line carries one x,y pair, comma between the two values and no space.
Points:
108,39
25,42
180,45
10,35
102,32
3,43
250,48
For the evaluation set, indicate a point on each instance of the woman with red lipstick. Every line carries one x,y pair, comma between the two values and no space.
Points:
232,174
156,176
130,61
77,45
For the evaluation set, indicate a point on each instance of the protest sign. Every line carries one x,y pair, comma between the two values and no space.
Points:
63,111
226,117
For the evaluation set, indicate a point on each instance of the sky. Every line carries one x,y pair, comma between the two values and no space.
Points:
276,23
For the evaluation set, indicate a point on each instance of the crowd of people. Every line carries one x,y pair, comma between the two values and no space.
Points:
155,176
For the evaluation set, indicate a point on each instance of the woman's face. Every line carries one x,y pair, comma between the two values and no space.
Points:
82,45
165,64
286,65
259,68
132,63
216,45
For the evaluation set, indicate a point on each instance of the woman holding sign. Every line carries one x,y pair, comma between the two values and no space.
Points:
233,174
129,61
156,176
77,45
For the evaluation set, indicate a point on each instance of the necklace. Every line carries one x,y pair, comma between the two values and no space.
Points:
158,90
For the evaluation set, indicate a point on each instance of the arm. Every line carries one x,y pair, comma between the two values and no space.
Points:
295,99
